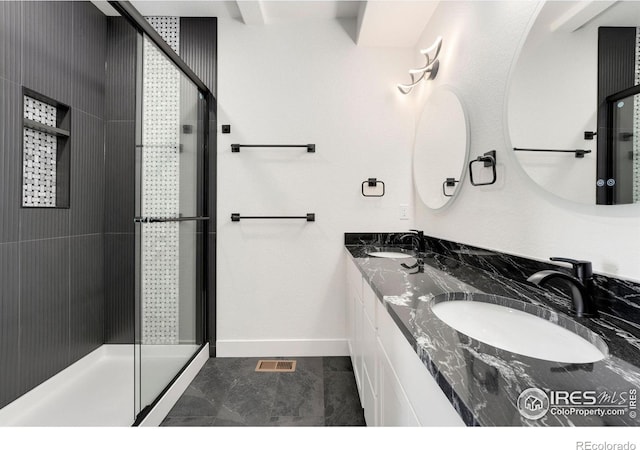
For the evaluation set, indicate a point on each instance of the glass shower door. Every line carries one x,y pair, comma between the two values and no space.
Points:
169,226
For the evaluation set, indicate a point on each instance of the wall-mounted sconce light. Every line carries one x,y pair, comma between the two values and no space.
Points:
426,72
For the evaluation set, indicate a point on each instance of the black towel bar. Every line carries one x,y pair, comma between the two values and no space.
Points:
309,217
311,148
579,153
168,219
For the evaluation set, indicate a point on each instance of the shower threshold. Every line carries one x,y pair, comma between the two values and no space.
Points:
99,389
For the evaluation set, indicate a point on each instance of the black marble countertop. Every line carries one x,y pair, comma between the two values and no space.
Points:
482,382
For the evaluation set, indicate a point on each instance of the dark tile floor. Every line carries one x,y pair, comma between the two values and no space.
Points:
228,392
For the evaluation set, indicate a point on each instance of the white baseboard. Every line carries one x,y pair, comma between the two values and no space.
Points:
282,347
169,399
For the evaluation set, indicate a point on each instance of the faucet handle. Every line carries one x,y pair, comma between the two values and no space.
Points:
581,269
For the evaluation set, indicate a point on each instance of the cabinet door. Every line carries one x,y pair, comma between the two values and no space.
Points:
350,320
369,351
354,278
431,406
355,320
356,359
394,409
370,301
369,401
353,303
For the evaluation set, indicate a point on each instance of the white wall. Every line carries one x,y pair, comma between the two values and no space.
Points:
481,40
553,100
281,283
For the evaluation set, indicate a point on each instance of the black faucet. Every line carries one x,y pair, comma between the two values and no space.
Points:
417,239
581,284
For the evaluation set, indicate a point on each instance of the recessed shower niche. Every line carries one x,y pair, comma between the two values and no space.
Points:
45,152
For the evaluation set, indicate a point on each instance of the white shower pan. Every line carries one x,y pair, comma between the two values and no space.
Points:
99,389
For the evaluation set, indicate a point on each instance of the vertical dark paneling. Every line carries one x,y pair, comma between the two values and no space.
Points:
47,49
9,323
10,40
43,223
86,295
87,175
212,168
119,281
119,240
120,164
89,54
198,47
121,70
10,159
616,70
44,310
51,286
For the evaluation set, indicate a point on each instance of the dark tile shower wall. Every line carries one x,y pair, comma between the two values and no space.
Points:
198,49
120,163
51,274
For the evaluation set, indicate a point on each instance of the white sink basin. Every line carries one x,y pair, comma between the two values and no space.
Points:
391,252
512,329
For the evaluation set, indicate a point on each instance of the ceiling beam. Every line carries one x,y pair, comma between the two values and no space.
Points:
251,11
581,14
394,23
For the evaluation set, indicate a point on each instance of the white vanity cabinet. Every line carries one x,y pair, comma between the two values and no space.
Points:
369,356
395,387
394,407
354,318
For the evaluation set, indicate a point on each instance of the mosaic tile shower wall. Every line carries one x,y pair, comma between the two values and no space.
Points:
40,152
160,189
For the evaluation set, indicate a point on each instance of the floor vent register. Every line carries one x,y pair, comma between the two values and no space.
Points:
276,365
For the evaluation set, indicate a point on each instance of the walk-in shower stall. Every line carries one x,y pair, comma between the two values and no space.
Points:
103,238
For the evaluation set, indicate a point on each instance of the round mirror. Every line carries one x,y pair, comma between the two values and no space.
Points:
574,99
441,148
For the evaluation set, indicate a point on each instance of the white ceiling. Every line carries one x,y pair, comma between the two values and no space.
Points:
381,23
296,11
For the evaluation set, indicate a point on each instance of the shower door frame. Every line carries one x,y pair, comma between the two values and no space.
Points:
205,102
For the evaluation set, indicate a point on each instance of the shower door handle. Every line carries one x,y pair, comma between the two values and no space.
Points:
167,219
